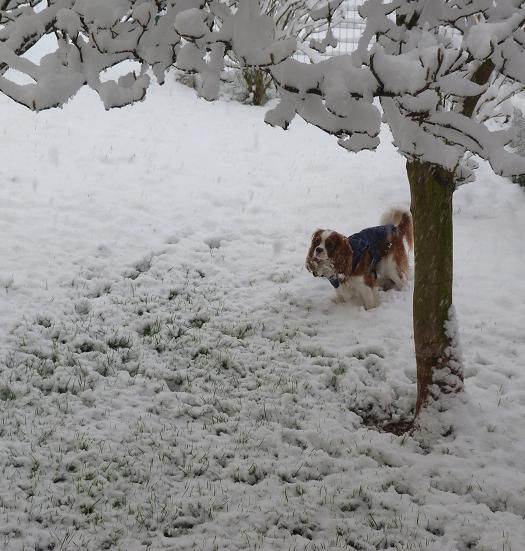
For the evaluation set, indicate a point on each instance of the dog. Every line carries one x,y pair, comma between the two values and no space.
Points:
372,259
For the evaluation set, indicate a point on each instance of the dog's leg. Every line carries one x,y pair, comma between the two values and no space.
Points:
364,288
390,274
344,292
398,279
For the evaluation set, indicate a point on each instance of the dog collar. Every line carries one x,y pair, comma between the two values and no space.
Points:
334,280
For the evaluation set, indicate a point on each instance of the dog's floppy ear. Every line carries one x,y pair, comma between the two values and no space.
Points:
340,253
316,236
314,242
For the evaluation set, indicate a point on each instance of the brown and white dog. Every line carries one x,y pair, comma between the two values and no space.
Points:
359,265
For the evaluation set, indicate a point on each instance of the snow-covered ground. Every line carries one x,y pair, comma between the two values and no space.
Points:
171,377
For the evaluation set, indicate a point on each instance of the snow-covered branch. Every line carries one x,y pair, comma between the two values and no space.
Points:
193,35
441,69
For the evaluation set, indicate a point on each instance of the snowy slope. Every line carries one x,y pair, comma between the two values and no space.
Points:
171,377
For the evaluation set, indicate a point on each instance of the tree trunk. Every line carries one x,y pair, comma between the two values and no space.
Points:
439,370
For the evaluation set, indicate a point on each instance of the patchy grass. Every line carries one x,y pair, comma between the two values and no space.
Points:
149,419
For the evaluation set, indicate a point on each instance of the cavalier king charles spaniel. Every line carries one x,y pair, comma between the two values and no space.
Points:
359,265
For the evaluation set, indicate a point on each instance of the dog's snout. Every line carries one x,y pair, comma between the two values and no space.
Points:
319,250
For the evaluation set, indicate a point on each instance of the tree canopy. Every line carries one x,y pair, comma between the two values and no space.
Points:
442,68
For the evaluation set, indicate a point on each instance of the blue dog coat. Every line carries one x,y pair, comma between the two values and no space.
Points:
372,240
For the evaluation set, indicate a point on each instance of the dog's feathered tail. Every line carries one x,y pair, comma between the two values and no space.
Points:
402,219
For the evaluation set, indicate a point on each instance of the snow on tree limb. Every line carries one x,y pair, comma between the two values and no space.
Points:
442,69
93,35
435,67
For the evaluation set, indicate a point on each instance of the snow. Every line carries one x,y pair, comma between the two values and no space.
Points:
400,74
325,11
482,38
100,12
69,21
171,377
190,23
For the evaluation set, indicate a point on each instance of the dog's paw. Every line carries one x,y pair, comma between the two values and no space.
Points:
372,300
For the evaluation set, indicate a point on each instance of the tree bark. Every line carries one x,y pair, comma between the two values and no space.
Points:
438,369
257,83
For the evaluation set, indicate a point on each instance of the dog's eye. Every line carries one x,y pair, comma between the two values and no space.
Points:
330,246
